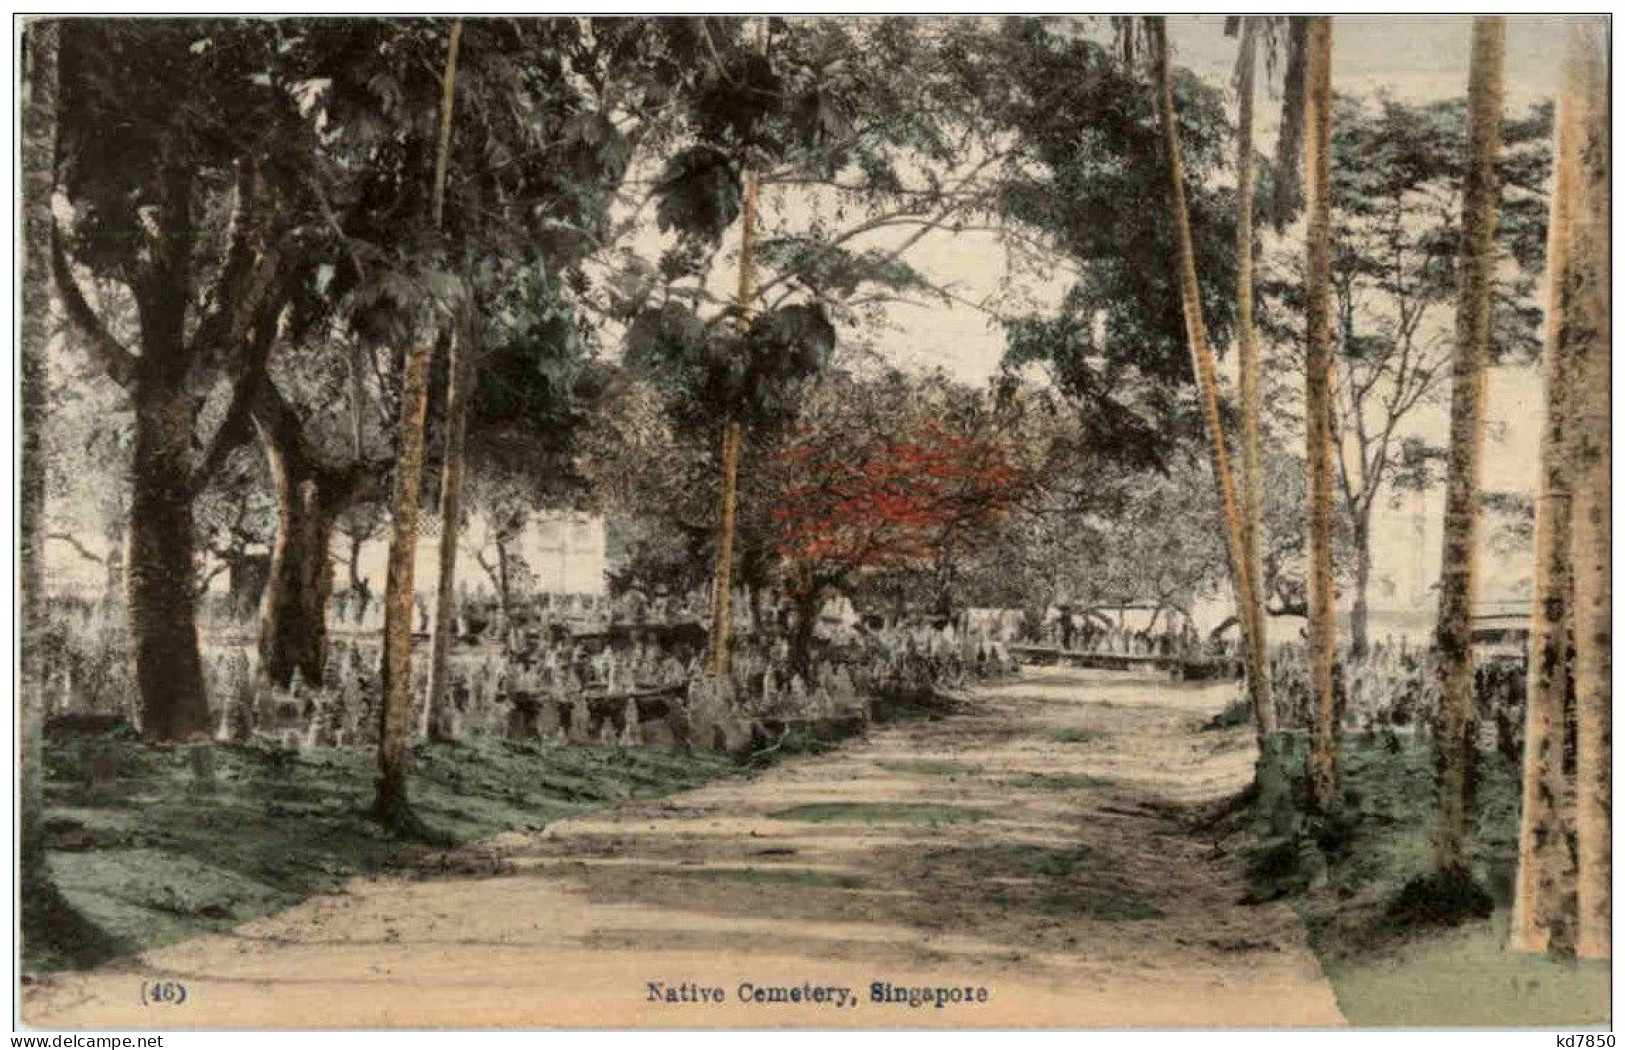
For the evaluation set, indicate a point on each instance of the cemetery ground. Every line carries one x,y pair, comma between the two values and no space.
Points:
1076,842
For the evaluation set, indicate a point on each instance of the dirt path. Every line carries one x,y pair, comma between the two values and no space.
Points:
1030,845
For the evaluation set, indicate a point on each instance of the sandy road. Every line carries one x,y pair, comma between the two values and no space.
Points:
1032,845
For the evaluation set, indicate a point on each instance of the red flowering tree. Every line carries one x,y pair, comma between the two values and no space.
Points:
864,492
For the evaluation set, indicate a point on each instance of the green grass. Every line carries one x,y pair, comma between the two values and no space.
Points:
152,848
1055,781
1466,977
1076,735
1389,972
931,767
1069,881
812,878
881,813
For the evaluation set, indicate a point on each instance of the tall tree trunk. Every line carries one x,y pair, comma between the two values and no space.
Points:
1360,607
1458,575
722,585
438,725
42,908
162,595
390,804
1543,906
1252,468
1587,295
293,610
1206,370
1322,771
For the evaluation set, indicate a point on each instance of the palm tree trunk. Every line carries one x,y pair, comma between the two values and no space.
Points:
1587,301
1458,574
1543,903
437,723
732,439
1204,365
1322,770
1252,471
390,805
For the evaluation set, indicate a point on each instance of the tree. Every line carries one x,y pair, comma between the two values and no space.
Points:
173,197
1088,183
872,485
390,804
1206,368
1542,907
44,913
1463,494
1587,300
1322,771
1252,467
1396,194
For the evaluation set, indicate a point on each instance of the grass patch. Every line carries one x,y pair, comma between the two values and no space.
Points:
1399,950
1078,735
154,845
812,878
881,813
1074,880
1055,781
931,767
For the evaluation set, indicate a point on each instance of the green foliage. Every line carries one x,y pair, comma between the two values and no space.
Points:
1097,185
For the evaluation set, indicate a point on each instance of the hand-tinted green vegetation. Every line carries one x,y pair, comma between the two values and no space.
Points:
1346,877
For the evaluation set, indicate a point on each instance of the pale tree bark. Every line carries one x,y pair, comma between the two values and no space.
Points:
1543,903
437,720
390,805
732,439
1458,578
1252,470
1319,353
1587,300
1206,369
42,908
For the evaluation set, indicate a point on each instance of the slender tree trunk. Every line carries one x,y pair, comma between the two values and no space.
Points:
1360,608
733,438
41,904
451,512
1543,906
390,805
504,596
1252,468
1458,575
1587,295
1206,370
162,595
1322,770
722,587
360,593
293,610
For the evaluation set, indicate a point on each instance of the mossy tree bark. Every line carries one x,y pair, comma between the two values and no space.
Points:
391,805
1463,484
1252,468
1587,300
1322,769
1205,368
1543,903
